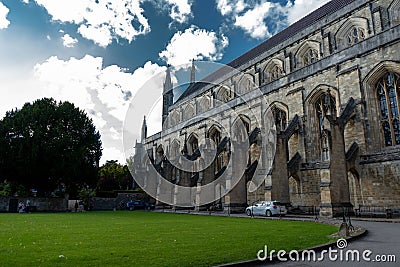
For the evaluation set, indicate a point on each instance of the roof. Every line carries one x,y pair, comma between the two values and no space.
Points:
327,9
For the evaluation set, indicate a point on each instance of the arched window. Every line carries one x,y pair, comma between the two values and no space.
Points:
355,35
325,106
394,12
388,92
224,94
273,73
193,144
204,104
310,56
245,84
215,135
189,112
280,119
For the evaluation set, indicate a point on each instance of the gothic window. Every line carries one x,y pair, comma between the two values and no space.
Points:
215,135
325,106
310,56
245,84
273,74
355,35
193,144
280,119
224,94
189,112
394,12
204,104
174,150
388,92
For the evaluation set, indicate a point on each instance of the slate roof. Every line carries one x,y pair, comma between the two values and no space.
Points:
275,40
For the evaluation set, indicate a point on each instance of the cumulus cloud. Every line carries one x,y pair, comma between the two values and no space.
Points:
69,41
100,20
262,18
253,20
228,6
4,22
103,92
194,43
77,80
301,8
180,10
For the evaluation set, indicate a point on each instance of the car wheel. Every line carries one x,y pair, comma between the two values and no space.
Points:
248,212
268,213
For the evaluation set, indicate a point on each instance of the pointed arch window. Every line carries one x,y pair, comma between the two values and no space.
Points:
280,119
325,106
193,144
355,35
310,56
273,73
388,94
215,135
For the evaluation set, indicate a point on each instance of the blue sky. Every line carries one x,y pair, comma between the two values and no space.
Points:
98,53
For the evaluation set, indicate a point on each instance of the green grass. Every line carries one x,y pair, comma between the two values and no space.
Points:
146,238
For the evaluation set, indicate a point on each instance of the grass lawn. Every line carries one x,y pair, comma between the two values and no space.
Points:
146,238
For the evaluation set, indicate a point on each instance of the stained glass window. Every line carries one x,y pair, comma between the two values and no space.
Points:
388,94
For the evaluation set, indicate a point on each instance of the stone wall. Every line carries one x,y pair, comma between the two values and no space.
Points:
40,204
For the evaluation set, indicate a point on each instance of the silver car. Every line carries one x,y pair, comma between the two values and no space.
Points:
266,208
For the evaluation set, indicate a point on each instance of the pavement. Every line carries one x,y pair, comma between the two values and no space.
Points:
381,242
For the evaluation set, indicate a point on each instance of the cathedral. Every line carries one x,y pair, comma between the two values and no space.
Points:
310,118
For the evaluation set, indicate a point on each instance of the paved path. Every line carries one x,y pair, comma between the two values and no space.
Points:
383,238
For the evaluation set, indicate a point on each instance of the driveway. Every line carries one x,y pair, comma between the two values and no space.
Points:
383,239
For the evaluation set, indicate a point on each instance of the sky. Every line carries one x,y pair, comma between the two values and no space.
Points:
98,53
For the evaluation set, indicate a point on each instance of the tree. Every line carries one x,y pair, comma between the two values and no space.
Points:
49,146
114,176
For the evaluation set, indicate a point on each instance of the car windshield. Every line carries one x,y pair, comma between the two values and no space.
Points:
276,203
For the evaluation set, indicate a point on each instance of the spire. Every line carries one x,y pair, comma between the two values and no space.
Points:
144,130
192,73
168,81
168,94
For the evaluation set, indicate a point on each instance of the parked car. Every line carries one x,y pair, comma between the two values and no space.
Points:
266,208
139,205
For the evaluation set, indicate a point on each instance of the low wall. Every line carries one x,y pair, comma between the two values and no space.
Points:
102,203
119,203
10,204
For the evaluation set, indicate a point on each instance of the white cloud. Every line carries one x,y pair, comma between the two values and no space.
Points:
230,6
253,21
180,10
262,18
103,92
100,20
4,22
68,41
193,43
301,8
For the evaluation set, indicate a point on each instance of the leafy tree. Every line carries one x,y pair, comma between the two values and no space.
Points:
48,145
5,189
114,176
